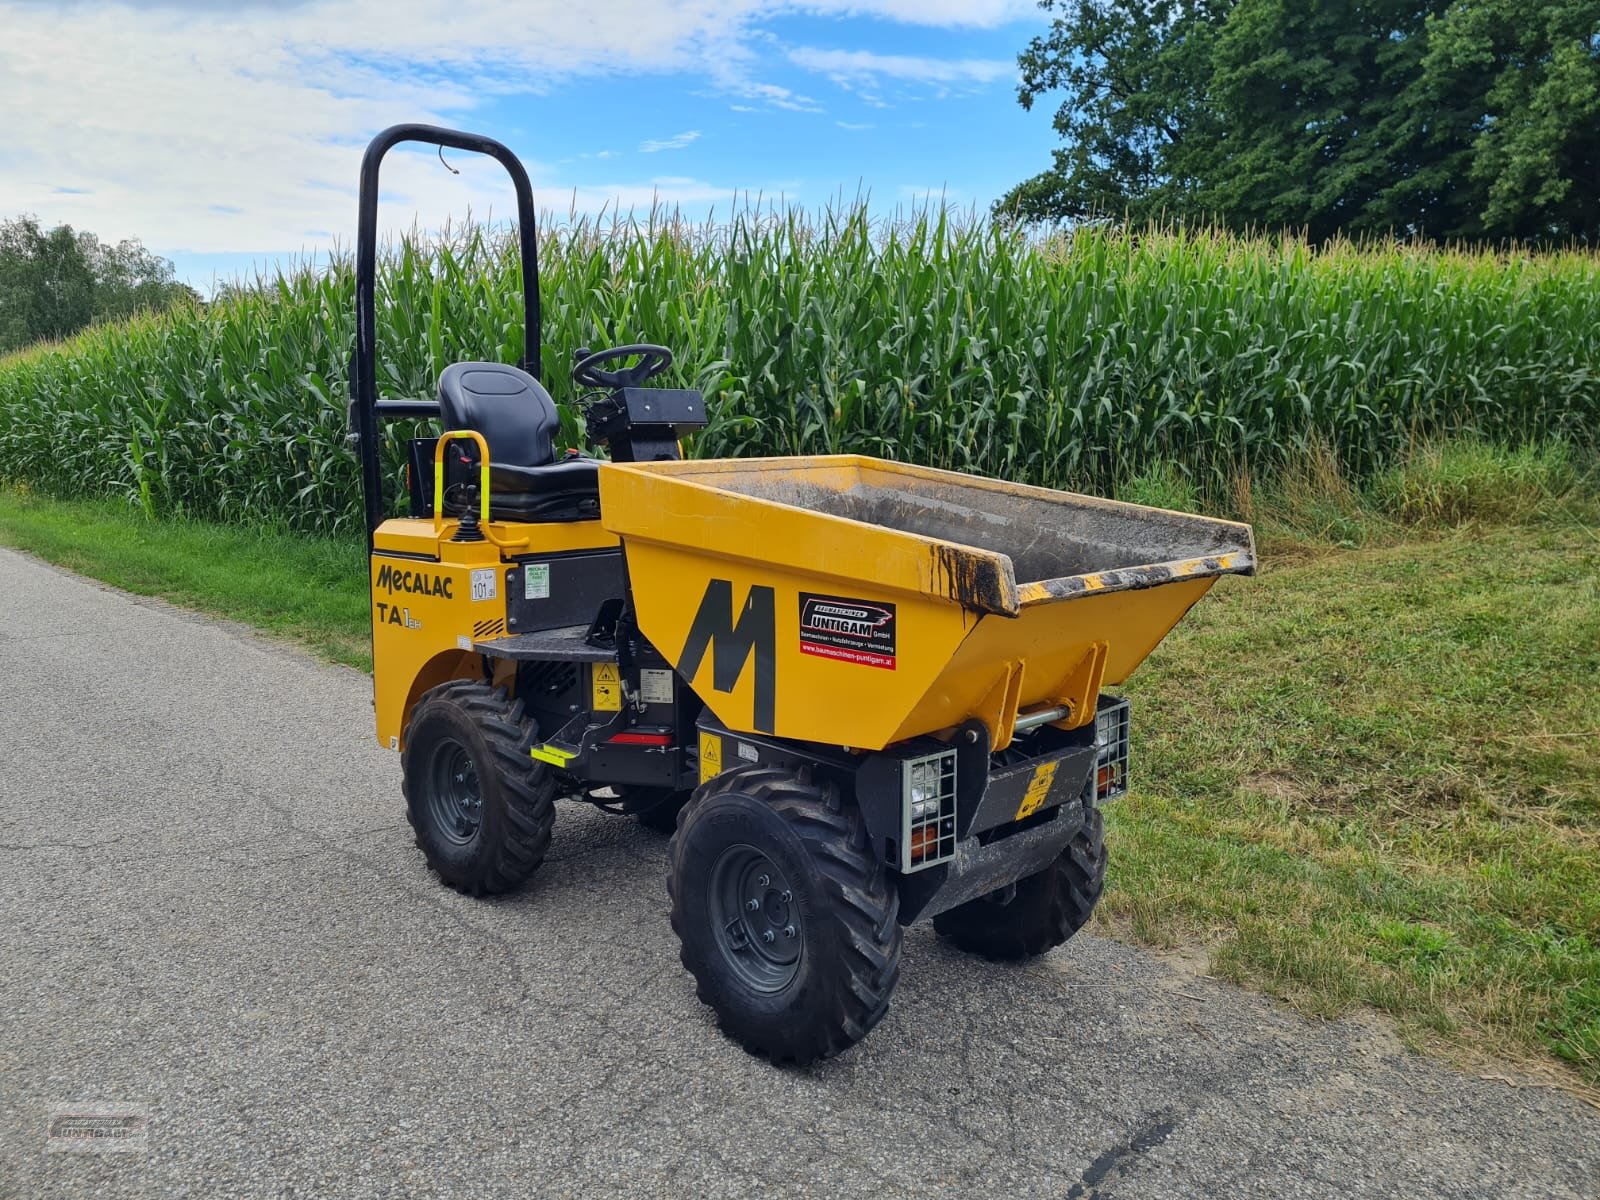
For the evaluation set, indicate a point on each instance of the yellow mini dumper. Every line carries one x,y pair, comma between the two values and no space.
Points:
862,692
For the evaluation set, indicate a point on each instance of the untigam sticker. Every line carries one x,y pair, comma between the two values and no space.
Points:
854,631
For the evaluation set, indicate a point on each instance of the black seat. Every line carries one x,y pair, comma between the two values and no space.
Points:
519,421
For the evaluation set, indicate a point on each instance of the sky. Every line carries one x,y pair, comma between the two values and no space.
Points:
227,136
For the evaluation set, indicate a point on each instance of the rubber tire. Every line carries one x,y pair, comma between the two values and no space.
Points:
518,792
1048,908
663,817
848,907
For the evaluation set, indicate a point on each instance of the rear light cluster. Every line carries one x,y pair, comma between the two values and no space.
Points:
928,788
639,737
1111,749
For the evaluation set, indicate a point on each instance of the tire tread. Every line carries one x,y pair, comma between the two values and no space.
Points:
526,786
1049,907
863,901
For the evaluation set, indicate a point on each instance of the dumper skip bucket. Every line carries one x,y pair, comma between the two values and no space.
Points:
858,602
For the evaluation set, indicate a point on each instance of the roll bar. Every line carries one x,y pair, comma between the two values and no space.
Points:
367,408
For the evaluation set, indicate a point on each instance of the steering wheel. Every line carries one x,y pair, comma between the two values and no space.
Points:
586,370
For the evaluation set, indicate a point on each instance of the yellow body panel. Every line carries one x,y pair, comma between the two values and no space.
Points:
1045,646
814,699
417,535
424,617
681,505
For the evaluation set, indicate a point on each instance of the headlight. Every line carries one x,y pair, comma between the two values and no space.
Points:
1111,749
928,822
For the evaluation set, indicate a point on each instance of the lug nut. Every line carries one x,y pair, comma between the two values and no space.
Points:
788,896
764,881
753,905
788,931
767,937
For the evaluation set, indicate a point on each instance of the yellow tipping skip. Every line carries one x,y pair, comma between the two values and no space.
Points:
793,621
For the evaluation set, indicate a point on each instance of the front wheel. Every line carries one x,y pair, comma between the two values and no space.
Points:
1043,911
482,808
787,919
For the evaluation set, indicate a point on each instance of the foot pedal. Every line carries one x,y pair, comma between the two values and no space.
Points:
566,747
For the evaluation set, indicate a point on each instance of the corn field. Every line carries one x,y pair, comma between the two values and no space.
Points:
1075,360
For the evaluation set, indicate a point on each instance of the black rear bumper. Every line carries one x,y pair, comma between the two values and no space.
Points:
1009,815
1013,820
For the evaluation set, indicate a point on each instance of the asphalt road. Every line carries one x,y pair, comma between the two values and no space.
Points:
214,916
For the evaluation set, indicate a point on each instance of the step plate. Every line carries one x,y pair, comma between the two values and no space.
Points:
566,644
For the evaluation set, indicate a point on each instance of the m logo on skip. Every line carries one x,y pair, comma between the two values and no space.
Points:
732,644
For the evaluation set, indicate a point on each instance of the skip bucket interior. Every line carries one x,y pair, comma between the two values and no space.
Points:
1046,536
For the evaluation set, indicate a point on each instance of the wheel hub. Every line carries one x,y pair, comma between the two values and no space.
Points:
455,798
757,922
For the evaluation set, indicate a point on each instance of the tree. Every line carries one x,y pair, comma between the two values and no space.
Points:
1431,118
1532,73
1137,77
46,287
130,279
54,283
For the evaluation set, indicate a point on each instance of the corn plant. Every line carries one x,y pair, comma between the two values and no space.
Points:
1071,360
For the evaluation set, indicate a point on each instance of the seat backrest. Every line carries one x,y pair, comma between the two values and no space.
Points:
509,407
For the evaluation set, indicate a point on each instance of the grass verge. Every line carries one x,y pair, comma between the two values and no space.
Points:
312,590
1373,777
1370,776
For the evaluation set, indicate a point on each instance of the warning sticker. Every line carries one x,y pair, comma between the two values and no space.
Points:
710,756
606,684
856,631
1038,789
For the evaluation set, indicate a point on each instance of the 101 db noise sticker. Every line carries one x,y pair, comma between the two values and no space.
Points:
854,631
485,583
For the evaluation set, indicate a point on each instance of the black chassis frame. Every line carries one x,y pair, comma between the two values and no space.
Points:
993,848
558,696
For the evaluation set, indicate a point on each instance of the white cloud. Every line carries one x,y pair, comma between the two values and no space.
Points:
847,66
946,14
776,97
663,191
207,127
676,142
154,115
853,126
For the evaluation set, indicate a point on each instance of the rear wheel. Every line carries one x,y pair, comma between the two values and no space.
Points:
1042,911
656,808
787,918
481,807
661,815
